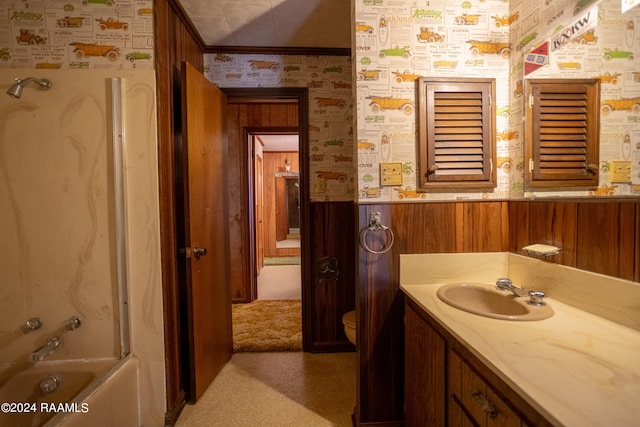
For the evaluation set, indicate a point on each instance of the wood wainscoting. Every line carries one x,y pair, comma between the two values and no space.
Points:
595,235
332,226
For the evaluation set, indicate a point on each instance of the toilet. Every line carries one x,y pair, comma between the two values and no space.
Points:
349,322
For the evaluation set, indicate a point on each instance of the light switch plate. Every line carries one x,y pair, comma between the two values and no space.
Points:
620,171
391,173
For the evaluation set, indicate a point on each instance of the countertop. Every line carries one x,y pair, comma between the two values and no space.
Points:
575,368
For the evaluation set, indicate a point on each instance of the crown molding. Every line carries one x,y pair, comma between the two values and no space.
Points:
310,51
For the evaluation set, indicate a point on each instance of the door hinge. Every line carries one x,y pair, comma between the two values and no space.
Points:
531,165
531,101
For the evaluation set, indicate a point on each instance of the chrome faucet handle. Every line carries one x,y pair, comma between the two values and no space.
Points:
536,298
50,384
504,284
72,323
31,325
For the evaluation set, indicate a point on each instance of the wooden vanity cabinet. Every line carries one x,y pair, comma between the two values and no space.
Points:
446,385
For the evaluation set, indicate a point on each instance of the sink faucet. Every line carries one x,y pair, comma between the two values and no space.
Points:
51,345
505,284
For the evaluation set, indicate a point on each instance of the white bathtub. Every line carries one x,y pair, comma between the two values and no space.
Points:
89,392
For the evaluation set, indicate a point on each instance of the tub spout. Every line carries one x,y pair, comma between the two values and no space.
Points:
51,345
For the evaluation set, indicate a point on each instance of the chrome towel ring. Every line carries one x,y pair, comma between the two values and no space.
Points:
375,224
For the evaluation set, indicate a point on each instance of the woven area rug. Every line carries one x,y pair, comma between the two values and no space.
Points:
267,325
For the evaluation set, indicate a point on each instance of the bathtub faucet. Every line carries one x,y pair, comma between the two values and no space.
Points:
51,345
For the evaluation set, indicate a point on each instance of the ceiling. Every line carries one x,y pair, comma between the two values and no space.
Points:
279,142
271,23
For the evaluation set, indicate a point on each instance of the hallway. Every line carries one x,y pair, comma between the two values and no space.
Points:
277,282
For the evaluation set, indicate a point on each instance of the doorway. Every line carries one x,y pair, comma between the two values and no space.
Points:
277,214
276,152
260,111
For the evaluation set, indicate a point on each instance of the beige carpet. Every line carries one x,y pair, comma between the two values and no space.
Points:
267,325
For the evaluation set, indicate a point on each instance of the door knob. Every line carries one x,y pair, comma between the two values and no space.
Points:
195,252
198,252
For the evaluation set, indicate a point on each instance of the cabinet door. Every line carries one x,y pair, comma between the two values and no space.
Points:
424,373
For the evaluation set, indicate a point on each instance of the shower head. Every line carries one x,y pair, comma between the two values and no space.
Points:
15,91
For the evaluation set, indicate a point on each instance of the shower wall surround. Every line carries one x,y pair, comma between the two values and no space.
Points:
57,253
57,256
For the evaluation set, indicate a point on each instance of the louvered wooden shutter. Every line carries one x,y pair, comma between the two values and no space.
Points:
456,128
562,133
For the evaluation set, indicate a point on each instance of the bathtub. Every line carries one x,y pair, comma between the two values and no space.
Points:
84,392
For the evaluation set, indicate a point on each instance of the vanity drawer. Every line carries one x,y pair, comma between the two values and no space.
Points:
472,402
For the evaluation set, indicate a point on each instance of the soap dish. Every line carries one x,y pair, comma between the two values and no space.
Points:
542,250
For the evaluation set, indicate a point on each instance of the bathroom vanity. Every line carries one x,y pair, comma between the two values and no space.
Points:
445,382
574,368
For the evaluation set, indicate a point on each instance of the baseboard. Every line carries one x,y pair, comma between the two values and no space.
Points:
383,424
357,423
331,347
171,416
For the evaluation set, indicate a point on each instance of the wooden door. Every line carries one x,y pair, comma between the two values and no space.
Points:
259,213
281,209
206,235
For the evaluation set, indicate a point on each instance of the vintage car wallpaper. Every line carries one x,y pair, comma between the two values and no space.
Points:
363,108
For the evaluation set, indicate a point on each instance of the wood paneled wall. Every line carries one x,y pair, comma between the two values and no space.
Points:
174,42
332,237
595,235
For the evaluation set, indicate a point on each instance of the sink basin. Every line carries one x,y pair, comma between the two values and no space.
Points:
486,300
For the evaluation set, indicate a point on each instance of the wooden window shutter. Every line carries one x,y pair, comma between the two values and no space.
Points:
456,128
562,133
